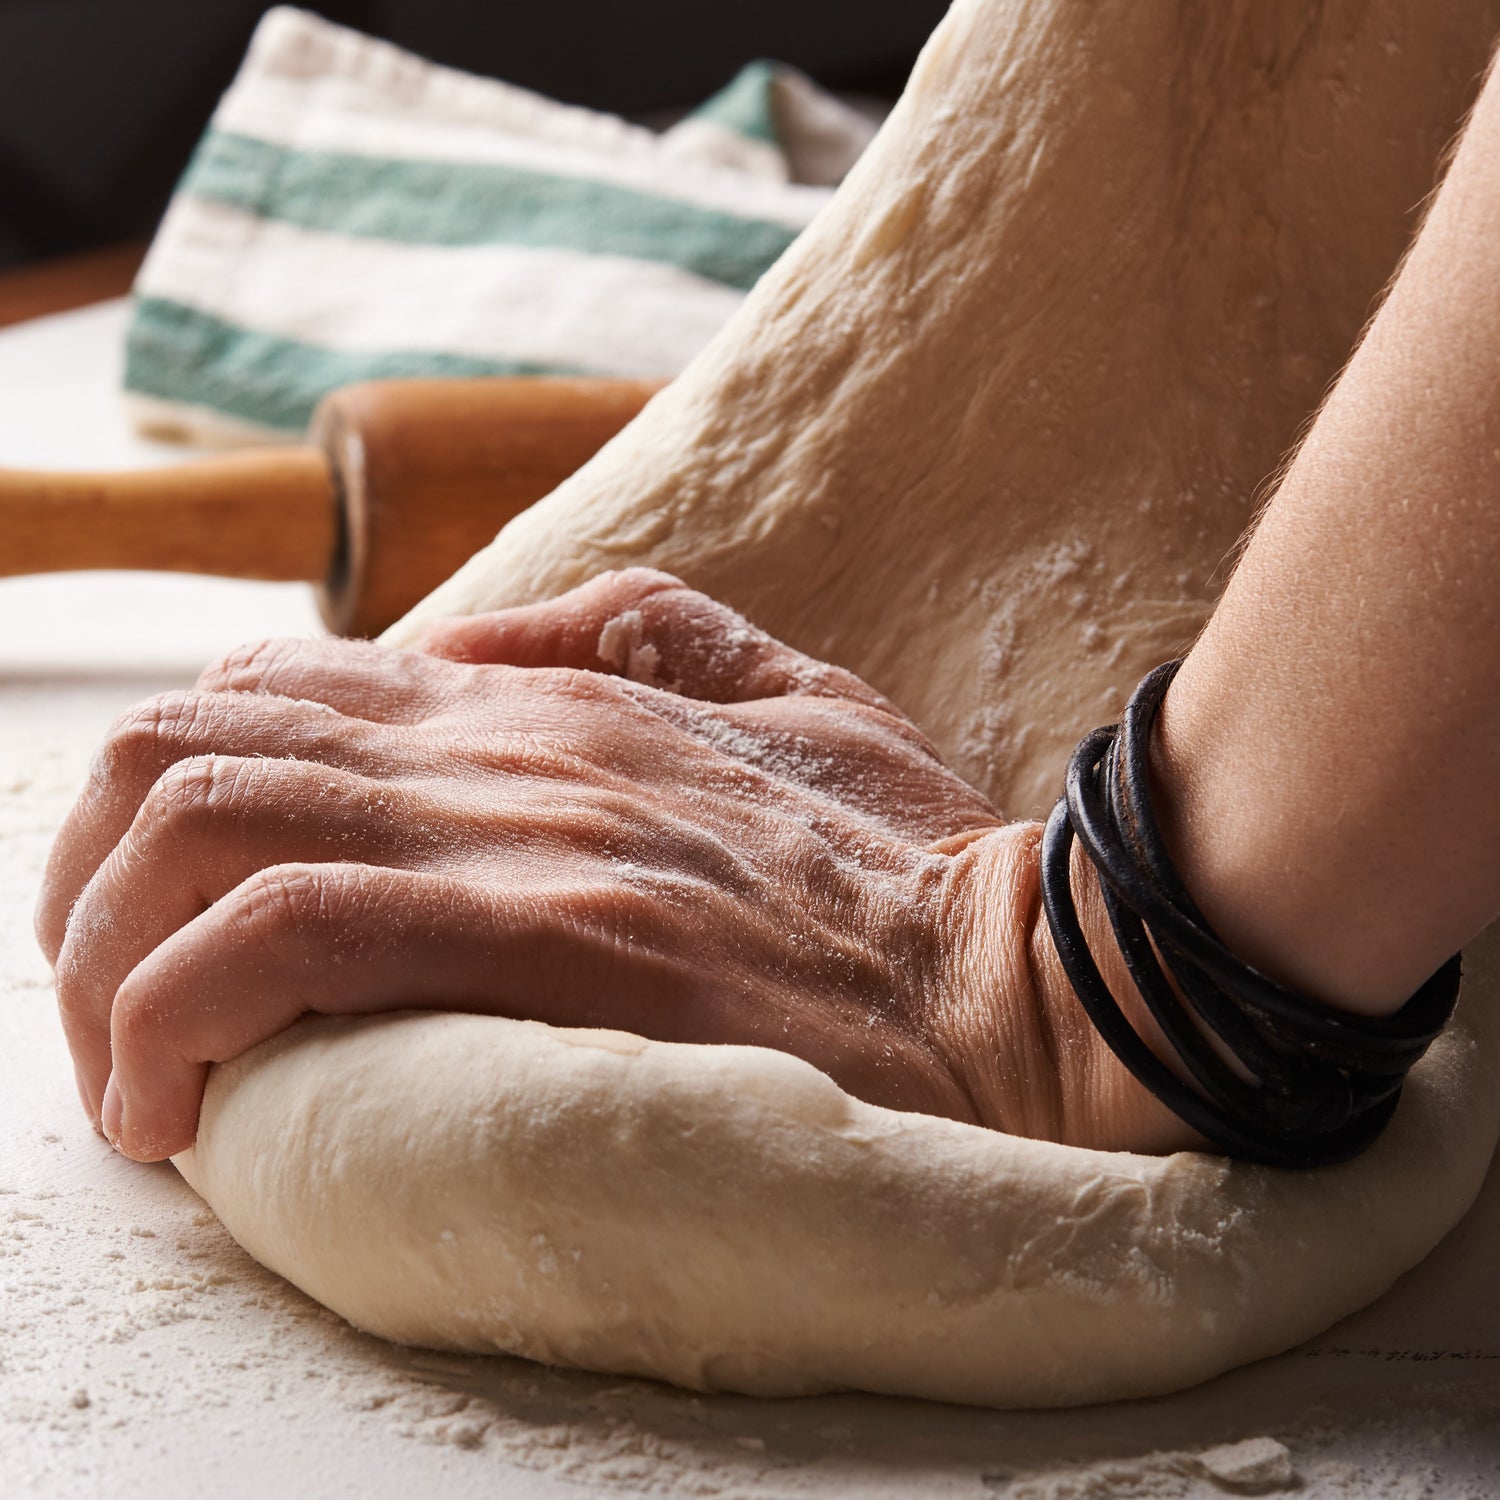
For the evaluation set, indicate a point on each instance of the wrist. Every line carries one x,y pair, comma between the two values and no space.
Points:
1019,1041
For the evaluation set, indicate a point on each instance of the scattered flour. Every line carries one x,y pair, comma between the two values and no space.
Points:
1256,1466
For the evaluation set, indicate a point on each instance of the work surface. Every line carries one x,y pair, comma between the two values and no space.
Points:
143,1354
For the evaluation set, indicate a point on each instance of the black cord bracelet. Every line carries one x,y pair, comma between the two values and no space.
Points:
1321,1084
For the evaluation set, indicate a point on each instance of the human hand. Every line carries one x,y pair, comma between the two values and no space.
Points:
731,843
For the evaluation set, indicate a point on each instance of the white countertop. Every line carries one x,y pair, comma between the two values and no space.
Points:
142,1354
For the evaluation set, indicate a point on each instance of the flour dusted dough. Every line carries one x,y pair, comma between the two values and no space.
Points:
952,445
727,1218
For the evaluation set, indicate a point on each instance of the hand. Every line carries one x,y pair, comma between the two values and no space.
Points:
730,842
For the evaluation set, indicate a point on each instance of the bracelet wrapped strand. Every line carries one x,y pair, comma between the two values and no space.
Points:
1314,1085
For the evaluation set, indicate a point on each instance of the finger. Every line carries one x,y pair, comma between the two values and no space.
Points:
357,678
349,939
207,825
157,734
653,629
560,632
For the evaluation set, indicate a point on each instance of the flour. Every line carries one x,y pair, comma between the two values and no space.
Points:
1254,1466
622,644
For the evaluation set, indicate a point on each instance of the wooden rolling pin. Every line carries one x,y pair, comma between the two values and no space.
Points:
402,480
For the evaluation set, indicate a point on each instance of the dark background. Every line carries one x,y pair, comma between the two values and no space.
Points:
102,100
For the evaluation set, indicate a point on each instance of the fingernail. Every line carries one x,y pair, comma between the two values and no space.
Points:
112,1113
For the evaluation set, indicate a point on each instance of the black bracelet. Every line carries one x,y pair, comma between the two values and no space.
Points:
1322,1082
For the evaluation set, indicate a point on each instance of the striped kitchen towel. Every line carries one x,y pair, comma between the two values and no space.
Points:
355,212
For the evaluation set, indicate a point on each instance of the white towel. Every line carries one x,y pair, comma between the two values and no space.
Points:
355,212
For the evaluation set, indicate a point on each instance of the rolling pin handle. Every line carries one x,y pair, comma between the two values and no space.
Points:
266,513
403,481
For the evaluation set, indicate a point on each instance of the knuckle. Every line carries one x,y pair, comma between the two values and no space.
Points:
574,686
630,588
696,621
193,794
142,734
78,1004
282,893
277,903
638,581
246,667
819,679
631,910
140,1022
133,1019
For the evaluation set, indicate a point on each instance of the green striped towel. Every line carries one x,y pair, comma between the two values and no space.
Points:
355,212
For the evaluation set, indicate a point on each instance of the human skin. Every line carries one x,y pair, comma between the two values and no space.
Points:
300,835
1325,757
763,852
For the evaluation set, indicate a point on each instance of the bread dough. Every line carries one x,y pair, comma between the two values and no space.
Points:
951,444
727,1218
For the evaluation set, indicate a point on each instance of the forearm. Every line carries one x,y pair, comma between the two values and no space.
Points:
1326,753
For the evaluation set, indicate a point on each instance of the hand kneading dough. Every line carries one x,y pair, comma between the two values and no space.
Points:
953,444
727,1218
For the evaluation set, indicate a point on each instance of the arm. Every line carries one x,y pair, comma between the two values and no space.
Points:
1326,755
